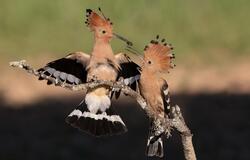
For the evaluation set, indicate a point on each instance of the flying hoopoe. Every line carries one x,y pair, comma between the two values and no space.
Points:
153,87
94,115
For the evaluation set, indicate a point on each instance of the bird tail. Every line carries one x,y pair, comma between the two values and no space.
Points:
155,143
154,146
96,124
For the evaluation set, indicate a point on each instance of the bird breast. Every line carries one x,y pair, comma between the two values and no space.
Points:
102,72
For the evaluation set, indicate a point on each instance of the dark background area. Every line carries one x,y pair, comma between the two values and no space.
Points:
220,124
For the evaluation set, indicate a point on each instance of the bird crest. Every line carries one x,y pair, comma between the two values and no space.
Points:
95,20
158,56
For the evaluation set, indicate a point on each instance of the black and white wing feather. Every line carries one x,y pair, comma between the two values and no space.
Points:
165,96
129,70
70,69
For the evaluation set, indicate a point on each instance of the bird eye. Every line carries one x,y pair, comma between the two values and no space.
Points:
103,32
149,62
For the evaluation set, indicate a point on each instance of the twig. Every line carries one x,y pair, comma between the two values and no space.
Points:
175,120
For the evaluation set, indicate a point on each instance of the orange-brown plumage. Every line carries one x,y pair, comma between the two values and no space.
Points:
158,57
94,114
154,89
95,21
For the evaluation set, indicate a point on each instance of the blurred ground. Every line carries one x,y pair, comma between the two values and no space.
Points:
19,87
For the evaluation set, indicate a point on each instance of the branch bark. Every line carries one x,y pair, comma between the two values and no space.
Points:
179,124
175,120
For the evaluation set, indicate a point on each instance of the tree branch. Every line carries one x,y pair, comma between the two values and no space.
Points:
82,87
175,120
179,124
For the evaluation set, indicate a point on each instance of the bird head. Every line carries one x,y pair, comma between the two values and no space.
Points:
158,56
102,26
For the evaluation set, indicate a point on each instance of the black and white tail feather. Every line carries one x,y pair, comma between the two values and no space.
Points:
155,147
96,124
155,142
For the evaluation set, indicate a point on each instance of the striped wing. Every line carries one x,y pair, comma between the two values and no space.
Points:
70,69
129,70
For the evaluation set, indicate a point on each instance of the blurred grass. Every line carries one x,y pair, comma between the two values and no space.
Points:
204,29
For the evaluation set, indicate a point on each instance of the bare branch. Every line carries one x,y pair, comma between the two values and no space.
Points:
178,122
116,85
175,120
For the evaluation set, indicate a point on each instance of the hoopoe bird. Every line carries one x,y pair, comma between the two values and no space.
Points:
94,115
154,89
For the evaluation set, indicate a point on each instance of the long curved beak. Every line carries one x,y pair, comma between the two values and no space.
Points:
129,43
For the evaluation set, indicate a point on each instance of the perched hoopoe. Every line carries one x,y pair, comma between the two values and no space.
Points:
153,87
94,114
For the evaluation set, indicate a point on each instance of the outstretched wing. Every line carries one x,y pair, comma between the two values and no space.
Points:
129,70
70,69
165,96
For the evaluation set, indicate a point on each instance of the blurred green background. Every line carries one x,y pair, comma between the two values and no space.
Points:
203,30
